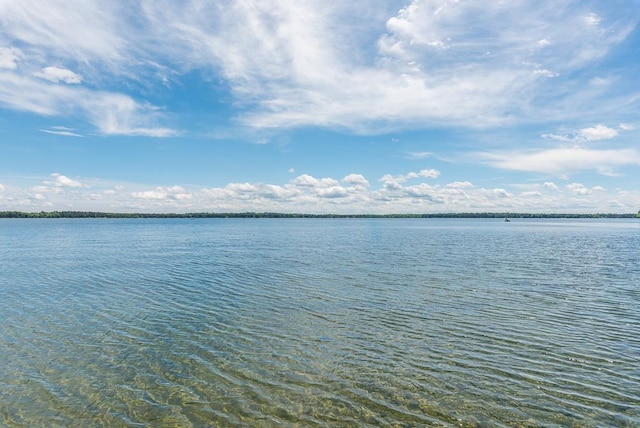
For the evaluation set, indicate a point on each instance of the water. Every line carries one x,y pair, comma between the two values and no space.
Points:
319,322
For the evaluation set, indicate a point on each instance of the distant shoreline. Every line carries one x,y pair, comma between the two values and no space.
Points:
94,214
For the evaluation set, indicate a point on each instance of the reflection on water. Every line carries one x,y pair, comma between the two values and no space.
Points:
329,322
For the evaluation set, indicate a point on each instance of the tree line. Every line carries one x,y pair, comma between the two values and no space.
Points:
95,214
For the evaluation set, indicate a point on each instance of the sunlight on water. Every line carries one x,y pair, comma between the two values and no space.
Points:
329,322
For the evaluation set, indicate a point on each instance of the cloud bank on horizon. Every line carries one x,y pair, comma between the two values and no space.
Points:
402,106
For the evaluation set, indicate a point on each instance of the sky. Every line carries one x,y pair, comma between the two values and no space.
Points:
345,106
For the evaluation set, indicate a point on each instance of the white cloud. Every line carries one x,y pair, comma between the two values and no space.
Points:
95,36
626,127
419,155
85,31
355,180
564,160
2,188
393,181
579,189
333,192
150,194
57,74
9,57
61,130
592,19
426,173
306,180
543,42
117,114
501,193
60,192
299,63
111,113
460,185
174,193
60,180
598,132
115,190
348,65
594,133
545,73
557,137
421,190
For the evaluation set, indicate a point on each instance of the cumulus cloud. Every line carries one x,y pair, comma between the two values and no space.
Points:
174,193
332,192
306,180
60,180
501,193
460,185
355,180
61,192
579,189
425,173
582,190
57,74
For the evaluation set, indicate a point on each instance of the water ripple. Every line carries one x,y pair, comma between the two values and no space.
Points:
319,323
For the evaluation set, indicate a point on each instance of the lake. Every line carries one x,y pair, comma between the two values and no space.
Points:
320,322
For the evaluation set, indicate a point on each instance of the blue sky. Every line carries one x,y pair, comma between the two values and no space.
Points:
358,106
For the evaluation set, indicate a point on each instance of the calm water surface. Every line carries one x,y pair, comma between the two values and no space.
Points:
319,322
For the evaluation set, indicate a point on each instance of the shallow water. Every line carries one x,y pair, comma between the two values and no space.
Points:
319,322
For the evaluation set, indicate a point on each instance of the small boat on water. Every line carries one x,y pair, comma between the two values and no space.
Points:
506,220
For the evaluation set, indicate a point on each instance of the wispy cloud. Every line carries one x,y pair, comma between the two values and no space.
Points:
9,57
292,64
76,31
419,155
573,156
563,161
593,133
61,130
111,113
